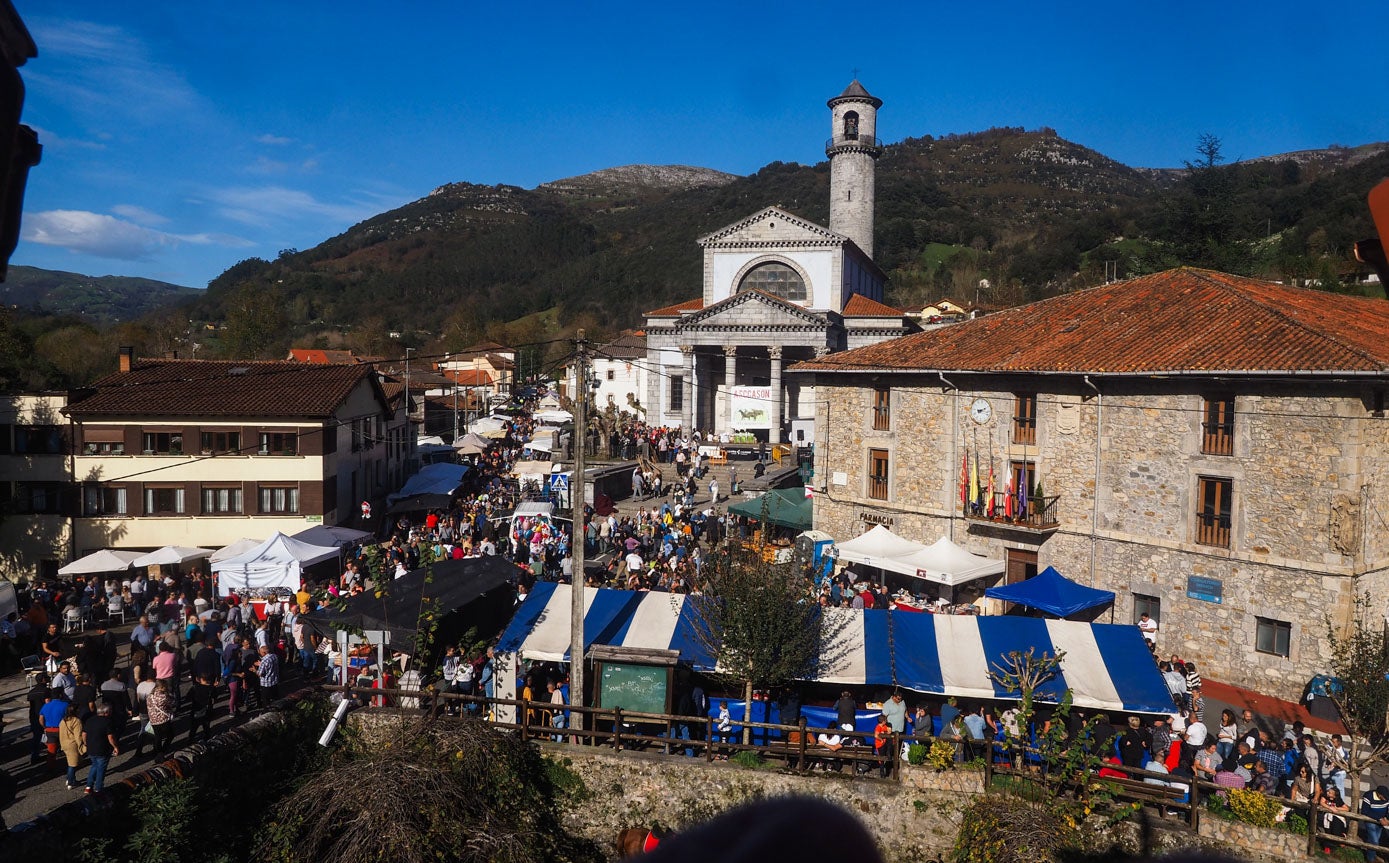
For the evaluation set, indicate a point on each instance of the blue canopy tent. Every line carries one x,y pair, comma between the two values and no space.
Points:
1052,592
1106,667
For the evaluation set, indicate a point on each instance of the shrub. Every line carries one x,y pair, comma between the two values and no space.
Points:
1003,829
749,759
1254,807
916,753
1295,824
941,755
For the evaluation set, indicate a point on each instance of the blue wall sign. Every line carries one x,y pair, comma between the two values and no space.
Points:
1205,589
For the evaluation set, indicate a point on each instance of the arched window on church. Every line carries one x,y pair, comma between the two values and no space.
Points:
776,279
851,125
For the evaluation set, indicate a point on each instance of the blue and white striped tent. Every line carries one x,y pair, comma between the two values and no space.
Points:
1106,666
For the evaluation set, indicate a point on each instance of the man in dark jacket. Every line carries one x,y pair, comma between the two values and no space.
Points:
846,709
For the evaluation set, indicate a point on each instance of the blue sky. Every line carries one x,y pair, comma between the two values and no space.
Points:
180,138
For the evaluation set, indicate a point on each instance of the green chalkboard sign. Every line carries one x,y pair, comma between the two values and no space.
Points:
640,688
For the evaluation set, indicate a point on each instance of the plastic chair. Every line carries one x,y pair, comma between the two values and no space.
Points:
72,619
115,607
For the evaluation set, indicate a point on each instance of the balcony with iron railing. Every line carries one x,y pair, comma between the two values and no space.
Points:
853,142
1038,515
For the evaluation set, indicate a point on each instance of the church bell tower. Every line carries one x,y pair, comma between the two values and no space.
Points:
853,148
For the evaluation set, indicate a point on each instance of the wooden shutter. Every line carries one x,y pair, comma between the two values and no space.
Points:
311,497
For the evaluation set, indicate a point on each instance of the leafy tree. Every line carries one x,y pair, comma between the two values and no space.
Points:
1360,690
255,322
758,618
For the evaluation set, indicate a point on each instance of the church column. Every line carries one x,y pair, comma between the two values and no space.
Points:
655,407
774,436
730,380
687,397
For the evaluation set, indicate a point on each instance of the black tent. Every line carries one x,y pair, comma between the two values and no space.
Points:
420,503
482,585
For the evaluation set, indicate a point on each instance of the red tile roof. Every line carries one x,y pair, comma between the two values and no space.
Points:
860,306
467,377
675,310
202,388
321,357
1182,321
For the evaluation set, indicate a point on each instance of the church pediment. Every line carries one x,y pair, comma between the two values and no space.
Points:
773,227
752,308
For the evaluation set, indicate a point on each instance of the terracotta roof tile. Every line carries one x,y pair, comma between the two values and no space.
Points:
321,356
1180,321
467,377
675,310
860,306
196,388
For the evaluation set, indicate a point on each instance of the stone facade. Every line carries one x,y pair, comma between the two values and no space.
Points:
1127,463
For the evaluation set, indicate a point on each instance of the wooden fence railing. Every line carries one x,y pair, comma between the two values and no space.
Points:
798,747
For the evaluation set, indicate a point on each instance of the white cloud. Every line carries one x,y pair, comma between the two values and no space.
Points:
262,204
139,215
273,140
53,141
105,72
105,236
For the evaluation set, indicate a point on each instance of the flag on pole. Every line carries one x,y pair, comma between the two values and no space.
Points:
808,493
989,494
974,482
1008,498
1022,490
964,480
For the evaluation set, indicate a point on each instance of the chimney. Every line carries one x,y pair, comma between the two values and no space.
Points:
127,354
171,355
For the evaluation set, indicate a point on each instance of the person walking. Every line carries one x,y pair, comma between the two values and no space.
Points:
70,741
99,736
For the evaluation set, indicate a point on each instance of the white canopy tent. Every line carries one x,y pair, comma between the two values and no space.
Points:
105,560
171,555
555,415
472,444
881,548
276,563
488,427
325,535
944,562
241,546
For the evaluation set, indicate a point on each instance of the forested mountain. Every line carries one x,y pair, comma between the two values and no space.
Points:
998,217
100,299
1027,211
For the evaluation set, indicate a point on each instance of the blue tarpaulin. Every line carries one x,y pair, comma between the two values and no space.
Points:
1106,666
1052,592
438,478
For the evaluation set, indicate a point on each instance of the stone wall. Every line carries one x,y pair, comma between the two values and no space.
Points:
915,820
1307,463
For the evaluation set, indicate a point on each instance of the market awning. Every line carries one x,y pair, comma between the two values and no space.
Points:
439,478
448,585
944,562
171,555
788,507
1052,592
617,618
420,503
881,548
104,560
325,534
1106,666
239,547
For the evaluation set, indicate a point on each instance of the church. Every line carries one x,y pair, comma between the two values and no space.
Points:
777,289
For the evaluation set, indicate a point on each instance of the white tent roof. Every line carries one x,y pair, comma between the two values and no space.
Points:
472,440
322,534
532,468
278,562
240,546
542,444
170,555
554,416
105,560
882,548
486,424
946,563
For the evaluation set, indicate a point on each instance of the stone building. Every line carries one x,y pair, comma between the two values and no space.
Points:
777,289
1209,447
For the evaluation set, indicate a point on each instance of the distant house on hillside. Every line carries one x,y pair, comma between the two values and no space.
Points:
497,362
619,369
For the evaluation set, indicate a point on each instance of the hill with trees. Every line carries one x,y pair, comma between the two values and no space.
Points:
998,217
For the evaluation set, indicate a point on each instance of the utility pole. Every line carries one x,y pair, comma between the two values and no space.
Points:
576,510
407,388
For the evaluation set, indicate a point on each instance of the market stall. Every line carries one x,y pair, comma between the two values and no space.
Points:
274,566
